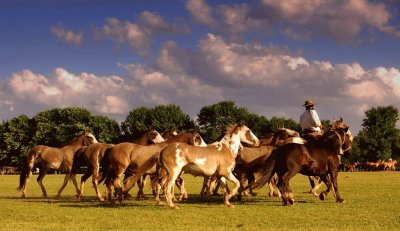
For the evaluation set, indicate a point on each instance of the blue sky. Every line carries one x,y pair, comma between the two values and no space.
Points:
268,56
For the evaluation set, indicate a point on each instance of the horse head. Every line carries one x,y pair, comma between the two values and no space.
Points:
281,134
88,139
155,137
245,134
197,139
343,133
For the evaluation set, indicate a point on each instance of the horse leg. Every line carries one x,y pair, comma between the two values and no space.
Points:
334,176
75,183
284,188
181,185
42,174
172,175
232,178
326,179
66,178
241,190
250,180
273,188
315,187
206,186
23,190
84,177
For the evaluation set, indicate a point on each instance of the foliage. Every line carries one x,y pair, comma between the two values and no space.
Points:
105,130
14,140
379,136
213,119
162,117
280,122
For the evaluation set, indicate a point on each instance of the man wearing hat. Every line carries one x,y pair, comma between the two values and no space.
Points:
309,120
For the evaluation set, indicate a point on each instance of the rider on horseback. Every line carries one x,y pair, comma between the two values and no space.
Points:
309,120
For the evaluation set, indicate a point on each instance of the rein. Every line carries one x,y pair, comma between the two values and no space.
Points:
342,141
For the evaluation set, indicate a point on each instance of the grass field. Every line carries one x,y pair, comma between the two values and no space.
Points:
372,203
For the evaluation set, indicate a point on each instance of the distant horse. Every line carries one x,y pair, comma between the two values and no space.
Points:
218,160
140,160
315,158
45,158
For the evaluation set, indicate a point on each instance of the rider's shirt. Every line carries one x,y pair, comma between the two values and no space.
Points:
309,121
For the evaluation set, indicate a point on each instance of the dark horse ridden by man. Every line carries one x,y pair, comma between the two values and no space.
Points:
316,157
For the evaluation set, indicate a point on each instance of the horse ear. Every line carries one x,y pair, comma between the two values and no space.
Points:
341,119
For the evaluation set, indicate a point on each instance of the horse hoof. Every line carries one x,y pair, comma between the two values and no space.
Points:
23,196
174,207
340,200
322,196
101,199
231,206
291,202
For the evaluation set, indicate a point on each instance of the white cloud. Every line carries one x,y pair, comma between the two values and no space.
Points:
269,80
341,21
68,36
140,33
201,11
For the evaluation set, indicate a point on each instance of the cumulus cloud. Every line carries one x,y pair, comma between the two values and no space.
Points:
341,21
266,79
201,12
140,33
68,36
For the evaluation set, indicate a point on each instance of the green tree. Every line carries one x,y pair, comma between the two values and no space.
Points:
281,122
379,136
105,130
14,140
162,117
57,126
213,119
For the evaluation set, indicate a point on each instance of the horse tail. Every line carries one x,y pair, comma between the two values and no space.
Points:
26,168
78,160
266,174
148,164
105,165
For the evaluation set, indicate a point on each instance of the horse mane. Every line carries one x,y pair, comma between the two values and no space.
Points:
77,136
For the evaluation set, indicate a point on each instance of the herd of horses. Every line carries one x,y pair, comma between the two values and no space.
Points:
238,156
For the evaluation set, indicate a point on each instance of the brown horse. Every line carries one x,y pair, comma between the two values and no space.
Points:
218,160
315,158
146,137
169,133
251,160
92,156
139,160
45,158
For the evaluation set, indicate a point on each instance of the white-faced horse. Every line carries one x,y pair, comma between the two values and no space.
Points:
215,160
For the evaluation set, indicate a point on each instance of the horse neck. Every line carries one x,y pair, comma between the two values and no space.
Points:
72,147
182,137
232,141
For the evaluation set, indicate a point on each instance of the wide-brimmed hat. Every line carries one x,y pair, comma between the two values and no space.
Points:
309,102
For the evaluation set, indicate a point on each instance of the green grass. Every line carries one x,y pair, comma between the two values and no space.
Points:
372,203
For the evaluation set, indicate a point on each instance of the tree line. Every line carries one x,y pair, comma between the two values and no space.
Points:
379,138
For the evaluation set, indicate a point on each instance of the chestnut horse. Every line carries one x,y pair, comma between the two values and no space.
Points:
251,160
92,156
45,158
139,160
218,160
317,157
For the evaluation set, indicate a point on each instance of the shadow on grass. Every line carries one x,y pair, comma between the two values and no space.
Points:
149,201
